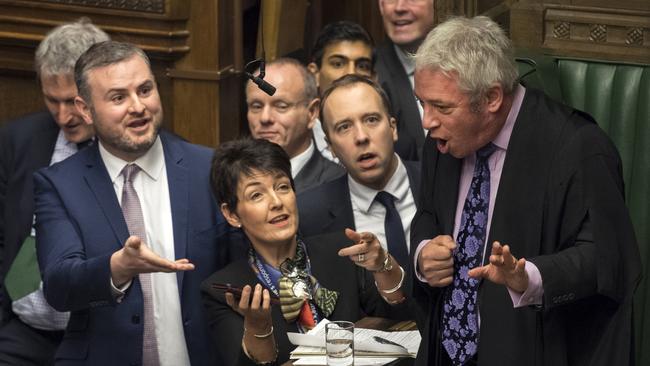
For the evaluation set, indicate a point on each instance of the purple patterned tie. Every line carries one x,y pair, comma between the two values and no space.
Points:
135,222
460,315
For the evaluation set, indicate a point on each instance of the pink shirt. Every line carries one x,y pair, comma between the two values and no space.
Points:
533,294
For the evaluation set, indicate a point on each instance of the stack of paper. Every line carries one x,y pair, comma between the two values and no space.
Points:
371,347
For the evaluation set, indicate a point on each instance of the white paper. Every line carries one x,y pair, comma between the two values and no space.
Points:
311,346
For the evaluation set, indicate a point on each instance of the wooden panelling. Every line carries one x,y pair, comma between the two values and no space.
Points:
584,29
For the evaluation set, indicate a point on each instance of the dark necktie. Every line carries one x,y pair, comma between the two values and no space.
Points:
135,221
395,240
460,315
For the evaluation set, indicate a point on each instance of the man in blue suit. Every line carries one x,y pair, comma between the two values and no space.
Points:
127,229
361,133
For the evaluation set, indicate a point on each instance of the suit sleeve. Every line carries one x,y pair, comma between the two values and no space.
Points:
70,280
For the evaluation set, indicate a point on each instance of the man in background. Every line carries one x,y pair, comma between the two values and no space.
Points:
31,330
406,23
288,117
341,48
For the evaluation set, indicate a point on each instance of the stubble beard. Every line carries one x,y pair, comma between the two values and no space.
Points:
123,143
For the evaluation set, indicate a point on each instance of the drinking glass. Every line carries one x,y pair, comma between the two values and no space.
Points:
339,341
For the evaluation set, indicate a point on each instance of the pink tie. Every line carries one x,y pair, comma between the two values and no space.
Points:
135,222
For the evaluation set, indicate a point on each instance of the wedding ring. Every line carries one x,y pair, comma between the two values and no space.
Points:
362,257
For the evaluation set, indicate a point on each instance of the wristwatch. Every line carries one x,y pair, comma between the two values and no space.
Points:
388,264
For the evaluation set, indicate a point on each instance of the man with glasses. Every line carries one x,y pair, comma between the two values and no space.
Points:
406,23
287,118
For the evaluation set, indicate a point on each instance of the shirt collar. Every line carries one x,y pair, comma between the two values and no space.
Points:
152,162
405,59
299,161
398,185
503,138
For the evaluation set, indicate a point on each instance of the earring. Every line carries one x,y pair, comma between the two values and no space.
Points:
239,226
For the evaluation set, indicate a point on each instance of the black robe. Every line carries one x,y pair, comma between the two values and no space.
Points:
561,185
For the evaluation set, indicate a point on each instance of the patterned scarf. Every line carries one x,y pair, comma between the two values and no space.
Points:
299,292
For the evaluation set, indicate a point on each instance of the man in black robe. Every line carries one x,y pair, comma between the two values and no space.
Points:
534,262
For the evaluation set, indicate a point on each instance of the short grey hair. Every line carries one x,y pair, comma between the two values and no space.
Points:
310,89
62,46
476,49
100,55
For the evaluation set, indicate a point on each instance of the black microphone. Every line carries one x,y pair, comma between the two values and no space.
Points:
259,80
266,87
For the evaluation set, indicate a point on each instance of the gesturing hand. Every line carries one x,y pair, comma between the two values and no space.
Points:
366,251
503,269
136,257
436,261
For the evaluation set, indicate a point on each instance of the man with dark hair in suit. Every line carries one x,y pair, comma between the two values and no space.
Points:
406,23
31,330
127,229
287,118
378,193
523,246
341,48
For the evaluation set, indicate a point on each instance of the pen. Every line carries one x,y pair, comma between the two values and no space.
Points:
236,291
387,341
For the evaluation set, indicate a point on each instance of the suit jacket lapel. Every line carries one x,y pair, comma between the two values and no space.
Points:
100,184
339,204
413,172
446,191
44,143
179,196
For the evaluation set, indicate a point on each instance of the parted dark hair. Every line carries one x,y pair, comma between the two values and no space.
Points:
347,81
340,31
242,157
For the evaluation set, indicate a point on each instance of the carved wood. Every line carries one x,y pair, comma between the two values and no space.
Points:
617,34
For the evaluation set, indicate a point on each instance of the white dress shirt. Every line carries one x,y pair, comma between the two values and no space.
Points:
370,215
299,161
321,144
153,193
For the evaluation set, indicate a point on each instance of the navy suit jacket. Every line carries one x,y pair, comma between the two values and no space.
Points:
79,226
26,145
318,170
395,82
328,207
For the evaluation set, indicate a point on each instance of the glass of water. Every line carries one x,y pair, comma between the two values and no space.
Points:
339,341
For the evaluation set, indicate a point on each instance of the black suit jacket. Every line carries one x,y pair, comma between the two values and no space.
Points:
26,145
328,207
318,170
358,297
560,205
395,82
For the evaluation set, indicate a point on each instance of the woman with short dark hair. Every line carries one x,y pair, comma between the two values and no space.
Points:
334,276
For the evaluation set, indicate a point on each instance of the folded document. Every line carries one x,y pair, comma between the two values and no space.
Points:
367,343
